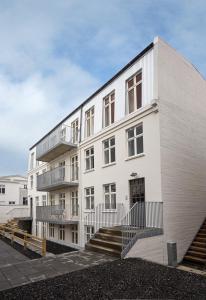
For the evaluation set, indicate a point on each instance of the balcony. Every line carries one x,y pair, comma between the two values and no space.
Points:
56,214
58,178
61,140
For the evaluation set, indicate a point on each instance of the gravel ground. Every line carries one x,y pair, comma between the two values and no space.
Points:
120,279
27,252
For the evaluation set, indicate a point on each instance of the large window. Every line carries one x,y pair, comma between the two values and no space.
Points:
51,230
2,189
61,232
75,131
74,167
89,159
89,232
74,195
109,150
108,109
89,197
89,122
110,196
135,140
134,92
75,234
62,200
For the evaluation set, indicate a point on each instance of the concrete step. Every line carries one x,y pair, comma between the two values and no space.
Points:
195,259
198,244
201,235
200,239
108,237
105,250
111,231
196,254
108,244
198,249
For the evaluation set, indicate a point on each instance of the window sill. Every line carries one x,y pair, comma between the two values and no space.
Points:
135,156
110,164
89,211
88,171
109,210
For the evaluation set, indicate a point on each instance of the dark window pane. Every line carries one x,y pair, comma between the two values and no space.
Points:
130,83
92,162
140,145
113,201
131,148
107,203
131,100
139,77
112,112
112,141
113,187
112,154
106,156
92,150
139,95
139,130
106,117
130,133
106,144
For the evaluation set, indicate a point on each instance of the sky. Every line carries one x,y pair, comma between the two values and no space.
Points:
54,54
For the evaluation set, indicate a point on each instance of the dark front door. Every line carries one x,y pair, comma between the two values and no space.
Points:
137,199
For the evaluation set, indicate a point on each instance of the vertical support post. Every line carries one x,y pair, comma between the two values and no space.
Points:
172,254
43,247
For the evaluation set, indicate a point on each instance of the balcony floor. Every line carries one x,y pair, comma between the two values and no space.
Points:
57,186
56,151
59,222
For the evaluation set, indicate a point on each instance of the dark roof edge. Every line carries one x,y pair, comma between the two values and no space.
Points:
150,46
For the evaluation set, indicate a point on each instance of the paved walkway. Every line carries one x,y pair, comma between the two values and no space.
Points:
9,255
21,273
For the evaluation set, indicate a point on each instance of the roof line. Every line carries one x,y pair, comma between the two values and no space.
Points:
131,62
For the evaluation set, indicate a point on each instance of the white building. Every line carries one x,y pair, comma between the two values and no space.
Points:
139,139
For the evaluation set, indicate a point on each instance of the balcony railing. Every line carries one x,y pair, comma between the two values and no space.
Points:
62,139
56,214
60,177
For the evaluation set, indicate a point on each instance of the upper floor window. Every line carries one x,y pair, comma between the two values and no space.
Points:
110,196
74,167
44,200
37,201
32,161
108,109
134,92
75,130
89,197
62,200
109,150
89,159
135,140
74,196
2,189
89,122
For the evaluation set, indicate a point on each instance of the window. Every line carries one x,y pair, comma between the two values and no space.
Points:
74,234
37,201
89,122
89,159
109,150
134,92
89,232
110,196
108,109
135,140
25,187
62,200
62,170
2,189
11,202
32,161
75,131
52,200
74,165
31,181
89,197
43,230
61,232
25,201
44,200
74,203
51,230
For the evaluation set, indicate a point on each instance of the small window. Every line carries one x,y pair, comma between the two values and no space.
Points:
89,159
2,189
89,197
134,92
75,131
11,202
110,196
109,150
74,167
108,109
89,232
135,140
25,201
51,230
75,234
89,122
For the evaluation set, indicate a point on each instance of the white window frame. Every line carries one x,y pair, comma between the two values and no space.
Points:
89,122
74,230
75,204
109,150
51,230
61,232
109,194
134,88
89,198
108,101
89,157
74,168
75,131
89,232
134,139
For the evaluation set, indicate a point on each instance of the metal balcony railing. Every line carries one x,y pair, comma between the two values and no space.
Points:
60,177
62,139
56,214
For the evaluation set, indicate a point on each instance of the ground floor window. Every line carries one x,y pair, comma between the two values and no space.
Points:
89,232
43,230
61,232
74,234
110,196
51,230
75,203
89,197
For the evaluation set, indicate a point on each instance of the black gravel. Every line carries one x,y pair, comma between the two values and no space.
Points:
121,279
27,252
56,248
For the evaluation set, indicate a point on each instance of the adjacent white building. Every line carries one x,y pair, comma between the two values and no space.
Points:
139,139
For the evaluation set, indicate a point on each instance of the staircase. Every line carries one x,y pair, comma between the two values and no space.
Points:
196,253
106,240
